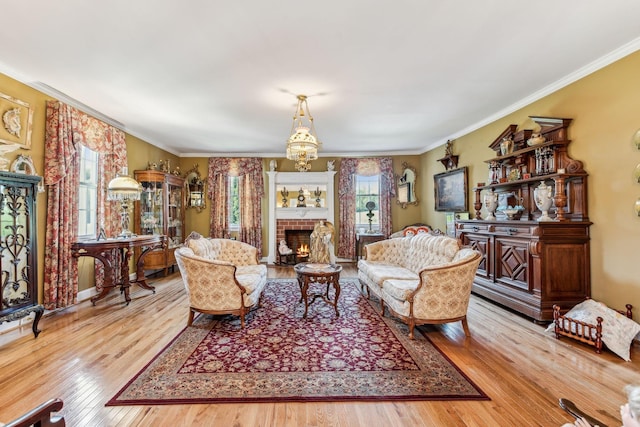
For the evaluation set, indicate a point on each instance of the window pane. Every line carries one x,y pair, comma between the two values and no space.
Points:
87,193
367,190
234,202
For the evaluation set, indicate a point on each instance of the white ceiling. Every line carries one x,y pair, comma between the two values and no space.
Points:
204,77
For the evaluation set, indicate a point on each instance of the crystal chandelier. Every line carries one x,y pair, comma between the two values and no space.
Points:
302,145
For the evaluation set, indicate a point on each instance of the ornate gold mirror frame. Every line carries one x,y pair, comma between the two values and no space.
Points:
406,186
195,189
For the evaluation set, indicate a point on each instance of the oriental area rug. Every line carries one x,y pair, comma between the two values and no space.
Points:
280,356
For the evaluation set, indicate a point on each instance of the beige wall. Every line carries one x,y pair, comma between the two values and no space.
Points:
137,151
199,222
605,108
37,101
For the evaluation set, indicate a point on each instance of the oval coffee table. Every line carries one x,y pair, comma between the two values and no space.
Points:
324,274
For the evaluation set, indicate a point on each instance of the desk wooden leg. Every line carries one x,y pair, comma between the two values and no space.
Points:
109,277
124,274
140,279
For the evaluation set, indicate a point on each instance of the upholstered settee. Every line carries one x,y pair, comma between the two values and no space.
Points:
221,276
422,279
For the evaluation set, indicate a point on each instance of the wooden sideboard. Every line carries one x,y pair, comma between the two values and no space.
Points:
529,265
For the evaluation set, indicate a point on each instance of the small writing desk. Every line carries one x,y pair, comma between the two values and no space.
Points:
363,239
116,268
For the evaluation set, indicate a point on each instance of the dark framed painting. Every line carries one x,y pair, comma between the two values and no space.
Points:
451,190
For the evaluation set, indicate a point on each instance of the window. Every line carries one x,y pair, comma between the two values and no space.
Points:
88,193
367,190
234,203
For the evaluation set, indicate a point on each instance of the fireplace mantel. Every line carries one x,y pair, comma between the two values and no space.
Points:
297,180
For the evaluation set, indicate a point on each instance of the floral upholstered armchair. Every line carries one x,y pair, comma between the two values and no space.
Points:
221,276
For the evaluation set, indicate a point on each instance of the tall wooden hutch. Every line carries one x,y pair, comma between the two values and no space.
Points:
160,210
530,265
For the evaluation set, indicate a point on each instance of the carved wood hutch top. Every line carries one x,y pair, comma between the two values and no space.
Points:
533,158
533,259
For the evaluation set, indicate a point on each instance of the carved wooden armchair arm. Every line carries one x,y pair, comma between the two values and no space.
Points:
41,416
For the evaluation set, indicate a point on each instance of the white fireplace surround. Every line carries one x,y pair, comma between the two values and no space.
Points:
295,180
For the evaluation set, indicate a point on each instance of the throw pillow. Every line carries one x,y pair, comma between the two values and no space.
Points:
410,232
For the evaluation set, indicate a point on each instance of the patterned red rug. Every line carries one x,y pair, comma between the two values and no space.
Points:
280,356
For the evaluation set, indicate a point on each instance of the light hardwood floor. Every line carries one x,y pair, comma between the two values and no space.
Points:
85,354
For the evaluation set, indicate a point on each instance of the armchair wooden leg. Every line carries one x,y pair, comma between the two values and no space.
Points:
381,307
465,326
242,319
190,321
412,325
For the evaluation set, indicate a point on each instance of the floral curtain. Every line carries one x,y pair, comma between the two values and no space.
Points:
218,193
65,128
349,167
251,191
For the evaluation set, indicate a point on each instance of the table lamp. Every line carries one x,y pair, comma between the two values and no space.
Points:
123,189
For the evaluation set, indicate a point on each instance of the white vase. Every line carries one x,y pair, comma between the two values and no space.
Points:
543,196
491,203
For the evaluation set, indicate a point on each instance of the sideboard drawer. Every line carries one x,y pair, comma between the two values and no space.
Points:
473,227
513,230
510,229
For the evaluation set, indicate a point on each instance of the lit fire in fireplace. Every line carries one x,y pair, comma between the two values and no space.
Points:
303,250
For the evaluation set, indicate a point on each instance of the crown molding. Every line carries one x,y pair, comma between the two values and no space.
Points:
598,64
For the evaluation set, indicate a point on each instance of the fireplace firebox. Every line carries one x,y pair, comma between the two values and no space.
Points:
298,241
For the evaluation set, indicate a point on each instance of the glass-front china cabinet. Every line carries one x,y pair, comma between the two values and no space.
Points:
160,211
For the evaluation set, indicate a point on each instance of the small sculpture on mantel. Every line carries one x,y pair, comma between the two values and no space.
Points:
331,165
301,199
285,197
318,193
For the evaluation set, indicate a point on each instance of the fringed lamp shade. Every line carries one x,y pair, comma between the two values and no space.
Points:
124,189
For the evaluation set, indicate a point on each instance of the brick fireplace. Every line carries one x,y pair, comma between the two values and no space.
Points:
285,225
294,217
296,233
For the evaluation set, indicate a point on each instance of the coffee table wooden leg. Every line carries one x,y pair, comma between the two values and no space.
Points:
336,286
300,279
305,297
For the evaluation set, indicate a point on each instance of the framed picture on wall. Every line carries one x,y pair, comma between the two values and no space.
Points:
451,190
